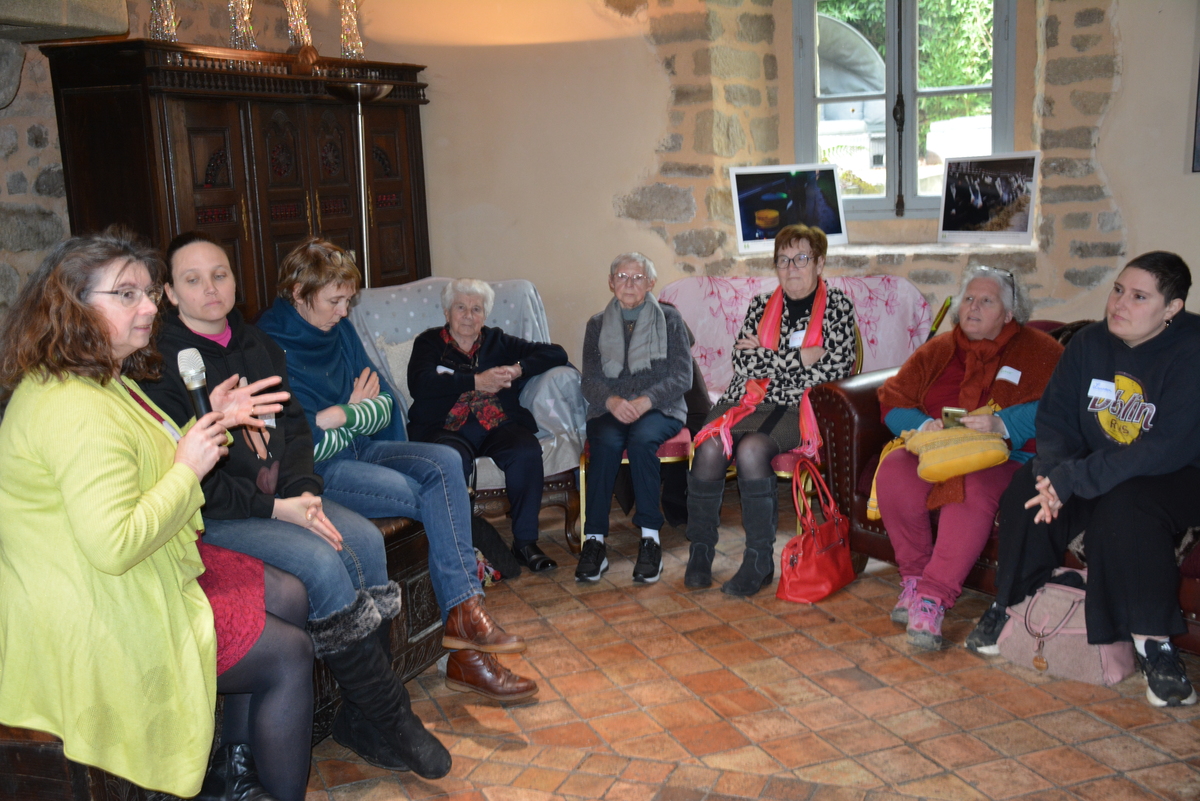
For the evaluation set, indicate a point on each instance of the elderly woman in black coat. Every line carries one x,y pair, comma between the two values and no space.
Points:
466,381
637,365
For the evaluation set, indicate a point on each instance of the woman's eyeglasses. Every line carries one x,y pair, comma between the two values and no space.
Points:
628,278
131,296
799,261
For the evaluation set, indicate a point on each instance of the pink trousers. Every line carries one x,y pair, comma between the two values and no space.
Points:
940,567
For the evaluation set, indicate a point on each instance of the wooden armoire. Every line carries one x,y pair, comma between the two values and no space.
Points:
258,150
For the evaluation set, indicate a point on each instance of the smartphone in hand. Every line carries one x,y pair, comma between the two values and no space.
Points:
952,416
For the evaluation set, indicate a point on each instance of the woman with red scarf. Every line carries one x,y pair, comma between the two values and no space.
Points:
988,359
777,358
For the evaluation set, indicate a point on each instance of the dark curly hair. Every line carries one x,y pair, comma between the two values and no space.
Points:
52,329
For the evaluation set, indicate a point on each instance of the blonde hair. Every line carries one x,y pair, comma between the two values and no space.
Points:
313,265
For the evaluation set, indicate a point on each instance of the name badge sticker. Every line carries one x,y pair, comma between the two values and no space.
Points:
796,338
1009,374
1105,390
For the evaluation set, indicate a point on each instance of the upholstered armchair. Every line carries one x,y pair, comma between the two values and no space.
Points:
388,319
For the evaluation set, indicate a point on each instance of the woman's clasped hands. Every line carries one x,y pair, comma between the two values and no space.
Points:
306,510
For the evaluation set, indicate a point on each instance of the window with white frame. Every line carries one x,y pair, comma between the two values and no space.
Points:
889,89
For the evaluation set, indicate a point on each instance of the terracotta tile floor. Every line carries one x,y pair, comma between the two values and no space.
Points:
664,693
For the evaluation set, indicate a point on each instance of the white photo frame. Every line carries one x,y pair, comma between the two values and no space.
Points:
989,199
765,199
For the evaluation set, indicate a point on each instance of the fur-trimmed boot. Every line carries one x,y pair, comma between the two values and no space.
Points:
350,727
376,720
760,519
704,516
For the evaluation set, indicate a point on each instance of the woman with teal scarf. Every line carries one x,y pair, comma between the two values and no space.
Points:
361,453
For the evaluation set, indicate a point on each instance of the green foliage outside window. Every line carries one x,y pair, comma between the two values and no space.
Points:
954,47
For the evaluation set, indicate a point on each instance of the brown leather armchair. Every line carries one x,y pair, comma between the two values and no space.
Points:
848,414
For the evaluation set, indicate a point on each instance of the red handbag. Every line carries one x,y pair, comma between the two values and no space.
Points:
816,562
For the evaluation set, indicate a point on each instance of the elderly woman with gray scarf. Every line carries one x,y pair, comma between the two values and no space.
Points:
637,365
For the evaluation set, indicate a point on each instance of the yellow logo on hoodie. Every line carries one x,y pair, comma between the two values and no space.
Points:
1124,419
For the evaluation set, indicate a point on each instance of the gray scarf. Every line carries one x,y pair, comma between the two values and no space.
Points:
648,342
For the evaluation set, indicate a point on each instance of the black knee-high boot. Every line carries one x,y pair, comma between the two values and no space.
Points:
352,729
760,519
352,645
704,516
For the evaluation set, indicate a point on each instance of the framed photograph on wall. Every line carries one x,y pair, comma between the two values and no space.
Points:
989,199
766,199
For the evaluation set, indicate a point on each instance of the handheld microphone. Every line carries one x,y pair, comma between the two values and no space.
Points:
191,370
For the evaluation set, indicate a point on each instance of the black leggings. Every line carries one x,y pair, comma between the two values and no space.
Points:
753,451
268,693
1129,541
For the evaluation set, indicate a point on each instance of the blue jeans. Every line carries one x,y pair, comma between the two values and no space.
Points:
418,480
607,438
332,578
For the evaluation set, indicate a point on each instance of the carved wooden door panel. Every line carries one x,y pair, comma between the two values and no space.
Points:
209,188
282,177
334,174
390,207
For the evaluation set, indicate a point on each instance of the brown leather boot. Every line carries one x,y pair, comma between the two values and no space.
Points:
470,627
475,672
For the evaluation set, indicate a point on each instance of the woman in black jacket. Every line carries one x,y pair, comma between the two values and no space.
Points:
1118,458
466,381
264,500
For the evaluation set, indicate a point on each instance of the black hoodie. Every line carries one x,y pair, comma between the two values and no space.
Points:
1149,425
260,467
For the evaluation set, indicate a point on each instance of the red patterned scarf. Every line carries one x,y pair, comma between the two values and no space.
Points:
756,388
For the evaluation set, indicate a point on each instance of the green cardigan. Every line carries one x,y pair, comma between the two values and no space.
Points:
106,639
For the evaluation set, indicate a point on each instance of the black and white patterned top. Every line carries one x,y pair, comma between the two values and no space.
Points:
789,377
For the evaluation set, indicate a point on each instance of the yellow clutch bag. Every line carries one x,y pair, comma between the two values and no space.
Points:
954,452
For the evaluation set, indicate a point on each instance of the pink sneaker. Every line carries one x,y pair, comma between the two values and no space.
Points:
908,594
925,623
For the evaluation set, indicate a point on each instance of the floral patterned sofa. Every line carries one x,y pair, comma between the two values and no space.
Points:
893,318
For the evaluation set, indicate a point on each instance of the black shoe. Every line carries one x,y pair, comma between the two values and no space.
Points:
699,567
1166,678
352,730
531,556
757,571
231,777
593,560
649,562
983,640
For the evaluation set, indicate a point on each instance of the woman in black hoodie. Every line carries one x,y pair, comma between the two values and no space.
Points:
1118,435
265,500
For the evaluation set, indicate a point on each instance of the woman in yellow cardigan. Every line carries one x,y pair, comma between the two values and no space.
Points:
107,637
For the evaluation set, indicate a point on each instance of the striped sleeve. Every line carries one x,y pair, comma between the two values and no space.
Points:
368,416
333,440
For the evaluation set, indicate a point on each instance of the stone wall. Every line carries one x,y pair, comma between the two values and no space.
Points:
722,59
1081,236
721,56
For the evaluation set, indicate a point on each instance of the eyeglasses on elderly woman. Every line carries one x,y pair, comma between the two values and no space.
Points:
131,296
797,262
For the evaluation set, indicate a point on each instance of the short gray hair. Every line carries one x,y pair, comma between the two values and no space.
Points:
1013,294
638,259
469,286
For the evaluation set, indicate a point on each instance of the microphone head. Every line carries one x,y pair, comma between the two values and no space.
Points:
191,368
